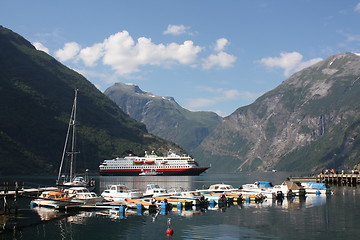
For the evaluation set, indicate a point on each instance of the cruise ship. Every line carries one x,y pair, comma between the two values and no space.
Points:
170,165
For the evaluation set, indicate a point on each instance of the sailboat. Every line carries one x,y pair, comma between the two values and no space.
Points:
70,179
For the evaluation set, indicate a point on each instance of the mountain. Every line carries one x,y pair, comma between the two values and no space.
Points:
36,95
309,122
163,116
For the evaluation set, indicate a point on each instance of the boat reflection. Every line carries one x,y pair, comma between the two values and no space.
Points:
81,217
47,214
290,203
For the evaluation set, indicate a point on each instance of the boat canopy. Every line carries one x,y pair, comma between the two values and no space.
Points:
316,185
264,184
293,185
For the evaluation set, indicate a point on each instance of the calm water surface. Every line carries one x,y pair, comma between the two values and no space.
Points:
315,217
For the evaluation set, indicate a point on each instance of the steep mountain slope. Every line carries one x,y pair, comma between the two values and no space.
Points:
310,121
163,116
36,94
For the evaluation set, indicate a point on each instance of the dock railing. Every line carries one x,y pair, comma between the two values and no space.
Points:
331,178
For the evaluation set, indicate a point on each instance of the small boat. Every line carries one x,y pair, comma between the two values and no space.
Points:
82,195
218,190
216,198
317,188
53,199
151,172
153,190
195,197
289,189
119,192
134,203
174,201
263,187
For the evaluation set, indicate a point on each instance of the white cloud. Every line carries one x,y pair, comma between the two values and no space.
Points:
357,8
197,103
69,51
40,46
221,44
352,37
91,54
222,59
176,29
290,62
126,56
220,95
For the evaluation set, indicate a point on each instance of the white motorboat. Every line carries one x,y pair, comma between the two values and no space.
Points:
263,187
153,190
83,195
53,199
218,192
119,192
317,188
236,194
289,189
196,197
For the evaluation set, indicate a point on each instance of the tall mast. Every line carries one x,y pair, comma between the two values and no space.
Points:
71,128
73,142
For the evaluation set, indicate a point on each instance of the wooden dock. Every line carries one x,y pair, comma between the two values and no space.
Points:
12,189
331,178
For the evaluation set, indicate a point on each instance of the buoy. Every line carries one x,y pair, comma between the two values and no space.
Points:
179,205
139,206
318,192
169,232
122,208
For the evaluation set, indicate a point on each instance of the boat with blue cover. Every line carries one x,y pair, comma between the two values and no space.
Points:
316,188
263,187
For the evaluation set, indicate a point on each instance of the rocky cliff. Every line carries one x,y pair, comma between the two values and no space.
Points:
310,121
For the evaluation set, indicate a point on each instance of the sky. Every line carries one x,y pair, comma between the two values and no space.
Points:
210,55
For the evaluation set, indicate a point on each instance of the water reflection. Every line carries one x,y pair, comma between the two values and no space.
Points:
47,214
320,217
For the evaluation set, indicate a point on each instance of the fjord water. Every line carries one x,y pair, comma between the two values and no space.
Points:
315,217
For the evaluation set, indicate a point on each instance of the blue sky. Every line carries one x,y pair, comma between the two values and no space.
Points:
209,55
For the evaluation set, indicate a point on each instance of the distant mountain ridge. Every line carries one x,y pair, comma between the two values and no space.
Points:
36,94
163,116
310,121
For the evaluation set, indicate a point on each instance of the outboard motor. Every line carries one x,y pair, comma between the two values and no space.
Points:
279,195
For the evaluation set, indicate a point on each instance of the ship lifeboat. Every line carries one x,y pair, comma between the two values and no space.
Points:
138,161
149,161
